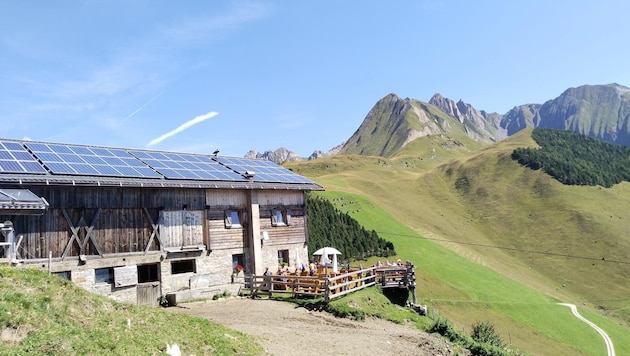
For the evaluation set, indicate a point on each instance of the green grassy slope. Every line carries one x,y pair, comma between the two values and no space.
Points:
45,315
496,241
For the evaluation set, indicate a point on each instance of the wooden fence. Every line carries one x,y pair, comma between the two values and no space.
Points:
331,285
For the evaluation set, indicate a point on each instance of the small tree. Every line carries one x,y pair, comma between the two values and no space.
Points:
484,332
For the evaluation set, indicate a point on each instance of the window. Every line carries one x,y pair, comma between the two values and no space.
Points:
63,275
233,219
283,257
183,266
148,273
238,260
104,275
279,217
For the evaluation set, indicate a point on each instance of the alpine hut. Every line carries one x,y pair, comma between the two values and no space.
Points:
136,225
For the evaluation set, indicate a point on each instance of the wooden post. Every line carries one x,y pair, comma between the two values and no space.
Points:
49,262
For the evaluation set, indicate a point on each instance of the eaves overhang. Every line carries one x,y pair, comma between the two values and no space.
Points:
98,181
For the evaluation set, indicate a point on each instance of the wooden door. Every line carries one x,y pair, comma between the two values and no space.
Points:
148,293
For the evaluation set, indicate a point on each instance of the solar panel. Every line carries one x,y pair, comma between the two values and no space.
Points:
14,158
83,160
186,166
264,171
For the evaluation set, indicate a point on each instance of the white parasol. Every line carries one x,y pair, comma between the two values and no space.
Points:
324,252
298,261
327,251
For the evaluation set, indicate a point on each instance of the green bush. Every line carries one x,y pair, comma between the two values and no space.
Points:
484,332
224,294
484,342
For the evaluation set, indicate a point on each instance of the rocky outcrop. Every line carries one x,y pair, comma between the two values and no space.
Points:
520,117
278,156
598,111
479,125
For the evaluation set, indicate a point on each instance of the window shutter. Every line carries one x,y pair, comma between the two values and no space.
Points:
228,219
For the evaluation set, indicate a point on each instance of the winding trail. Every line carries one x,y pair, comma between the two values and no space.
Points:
609,344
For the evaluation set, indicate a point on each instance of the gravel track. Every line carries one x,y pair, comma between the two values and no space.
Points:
286,329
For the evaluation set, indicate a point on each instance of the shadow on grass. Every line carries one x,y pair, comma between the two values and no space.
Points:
398,296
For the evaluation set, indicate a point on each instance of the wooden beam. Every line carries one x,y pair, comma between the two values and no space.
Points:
89,231
154,234
75,233
74,236
15,248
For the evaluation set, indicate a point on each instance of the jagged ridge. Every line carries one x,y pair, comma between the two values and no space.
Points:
598,111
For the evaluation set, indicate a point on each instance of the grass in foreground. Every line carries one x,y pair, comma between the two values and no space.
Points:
43,315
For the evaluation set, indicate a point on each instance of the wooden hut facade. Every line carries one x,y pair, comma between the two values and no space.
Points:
181,227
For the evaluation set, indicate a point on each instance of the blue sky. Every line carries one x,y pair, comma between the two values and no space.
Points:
195,76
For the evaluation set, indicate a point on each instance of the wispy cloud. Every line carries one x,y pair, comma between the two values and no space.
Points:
183,127
200,29
107,81
109,87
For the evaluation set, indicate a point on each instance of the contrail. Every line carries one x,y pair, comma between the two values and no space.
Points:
184,126
141,107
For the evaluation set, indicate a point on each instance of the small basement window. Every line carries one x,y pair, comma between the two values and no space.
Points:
183,266
104,275
279,217
283,257
233,219
63,275
238,260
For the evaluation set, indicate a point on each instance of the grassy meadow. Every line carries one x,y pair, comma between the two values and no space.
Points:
41,314
494,241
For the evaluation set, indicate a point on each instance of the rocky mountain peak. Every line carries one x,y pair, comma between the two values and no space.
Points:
479,125
447,105
600,111
278,156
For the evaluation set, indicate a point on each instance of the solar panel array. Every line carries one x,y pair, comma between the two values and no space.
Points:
82,160
265,171
14,158
44,158
186,166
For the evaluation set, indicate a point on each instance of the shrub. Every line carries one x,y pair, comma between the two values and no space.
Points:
224,294
484,332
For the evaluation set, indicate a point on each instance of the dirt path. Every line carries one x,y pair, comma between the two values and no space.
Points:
285,329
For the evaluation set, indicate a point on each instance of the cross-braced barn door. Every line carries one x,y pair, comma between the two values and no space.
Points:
81,234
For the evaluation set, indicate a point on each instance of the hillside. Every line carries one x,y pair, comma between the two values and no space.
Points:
565,242
42,314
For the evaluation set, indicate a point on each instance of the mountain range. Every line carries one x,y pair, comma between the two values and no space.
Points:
598,111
